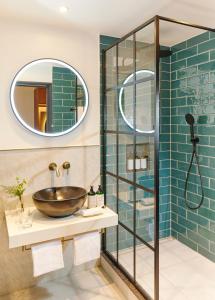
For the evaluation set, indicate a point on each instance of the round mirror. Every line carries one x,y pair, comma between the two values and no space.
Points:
145,101
49,97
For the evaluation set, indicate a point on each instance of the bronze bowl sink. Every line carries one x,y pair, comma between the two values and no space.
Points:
60,201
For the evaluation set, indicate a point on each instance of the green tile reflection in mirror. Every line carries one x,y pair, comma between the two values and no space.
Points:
49,97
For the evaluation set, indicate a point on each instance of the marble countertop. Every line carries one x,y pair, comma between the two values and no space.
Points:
45,228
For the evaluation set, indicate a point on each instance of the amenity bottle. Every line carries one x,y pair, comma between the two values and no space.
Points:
100,197
91,198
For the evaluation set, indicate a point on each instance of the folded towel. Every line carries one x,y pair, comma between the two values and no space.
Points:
47,257
88,212
87,247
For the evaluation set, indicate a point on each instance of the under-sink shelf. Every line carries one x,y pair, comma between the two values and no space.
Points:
45,228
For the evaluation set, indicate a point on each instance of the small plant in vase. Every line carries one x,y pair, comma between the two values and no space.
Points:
17,190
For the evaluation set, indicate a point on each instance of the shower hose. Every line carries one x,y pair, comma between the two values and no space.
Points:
194,154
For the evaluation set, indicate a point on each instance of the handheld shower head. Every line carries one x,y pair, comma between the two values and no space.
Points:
189,119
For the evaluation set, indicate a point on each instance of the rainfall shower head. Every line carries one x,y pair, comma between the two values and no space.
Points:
189,119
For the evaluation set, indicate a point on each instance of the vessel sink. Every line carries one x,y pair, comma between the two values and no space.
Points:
60,201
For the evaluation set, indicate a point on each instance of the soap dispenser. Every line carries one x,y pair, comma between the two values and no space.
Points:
137,162
144,162
100,197
130,162
91,198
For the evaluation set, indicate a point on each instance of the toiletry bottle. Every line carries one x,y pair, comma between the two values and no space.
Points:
91,198
130,162
100,197
137,162
143,162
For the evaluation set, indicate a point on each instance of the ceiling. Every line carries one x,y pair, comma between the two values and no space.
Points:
109,17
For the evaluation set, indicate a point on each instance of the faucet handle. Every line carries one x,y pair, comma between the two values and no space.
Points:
66,165
52,166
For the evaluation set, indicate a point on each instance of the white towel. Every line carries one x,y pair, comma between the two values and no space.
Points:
47,257
87,247
89,212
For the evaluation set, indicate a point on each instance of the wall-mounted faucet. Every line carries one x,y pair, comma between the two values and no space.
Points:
53,167
66,166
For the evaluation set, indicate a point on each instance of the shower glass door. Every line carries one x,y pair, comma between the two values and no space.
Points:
130,155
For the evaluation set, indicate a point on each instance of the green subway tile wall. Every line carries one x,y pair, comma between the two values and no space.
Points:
193,91
64,97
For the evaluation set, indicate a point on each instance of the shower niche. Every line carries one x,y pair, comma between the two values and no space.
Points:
139,161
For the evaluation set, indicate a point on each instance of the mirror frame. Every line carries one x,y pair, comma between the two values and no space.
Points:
120,100
13,105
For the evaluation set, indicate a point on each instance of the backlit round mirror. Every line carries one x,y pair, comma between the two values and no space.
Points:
49,97
145,101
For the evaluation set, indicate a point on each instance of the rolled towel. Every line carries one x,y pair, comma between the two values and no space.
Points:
47,257
87,247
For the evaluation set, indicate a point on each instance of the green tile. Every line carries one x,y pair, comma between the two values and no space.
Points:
56,89
207,213
207,67
165,75
206,253
69,77
198,39
62,70
179,65
186,223
178,228
197,59
187,53
206,46
62,83
186,92
187,72
212,54
58,109
108,40
178,101
211,34
212,248
57,116
179,47
197,238
197,218
207,151
57,76
180,83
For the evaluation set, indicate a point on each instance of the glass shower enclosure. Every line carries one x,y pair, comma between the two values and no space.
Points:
148,76
130,150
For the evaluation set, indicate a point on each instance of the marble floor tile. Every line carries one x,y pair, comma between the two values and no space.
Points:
85,285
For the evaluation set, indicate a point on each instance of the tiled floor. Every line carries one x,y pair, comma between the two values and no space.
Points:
85,285
184,274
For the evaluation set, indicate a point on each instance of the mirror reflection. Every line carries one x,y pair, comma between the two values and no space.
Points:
49,97
144,101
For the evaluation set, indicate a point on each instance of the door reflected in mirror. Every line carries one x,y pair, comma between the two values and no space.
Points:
144,104
49,97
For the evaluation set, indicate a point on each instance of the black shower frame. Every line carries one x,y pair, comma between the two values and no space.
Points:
156,19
